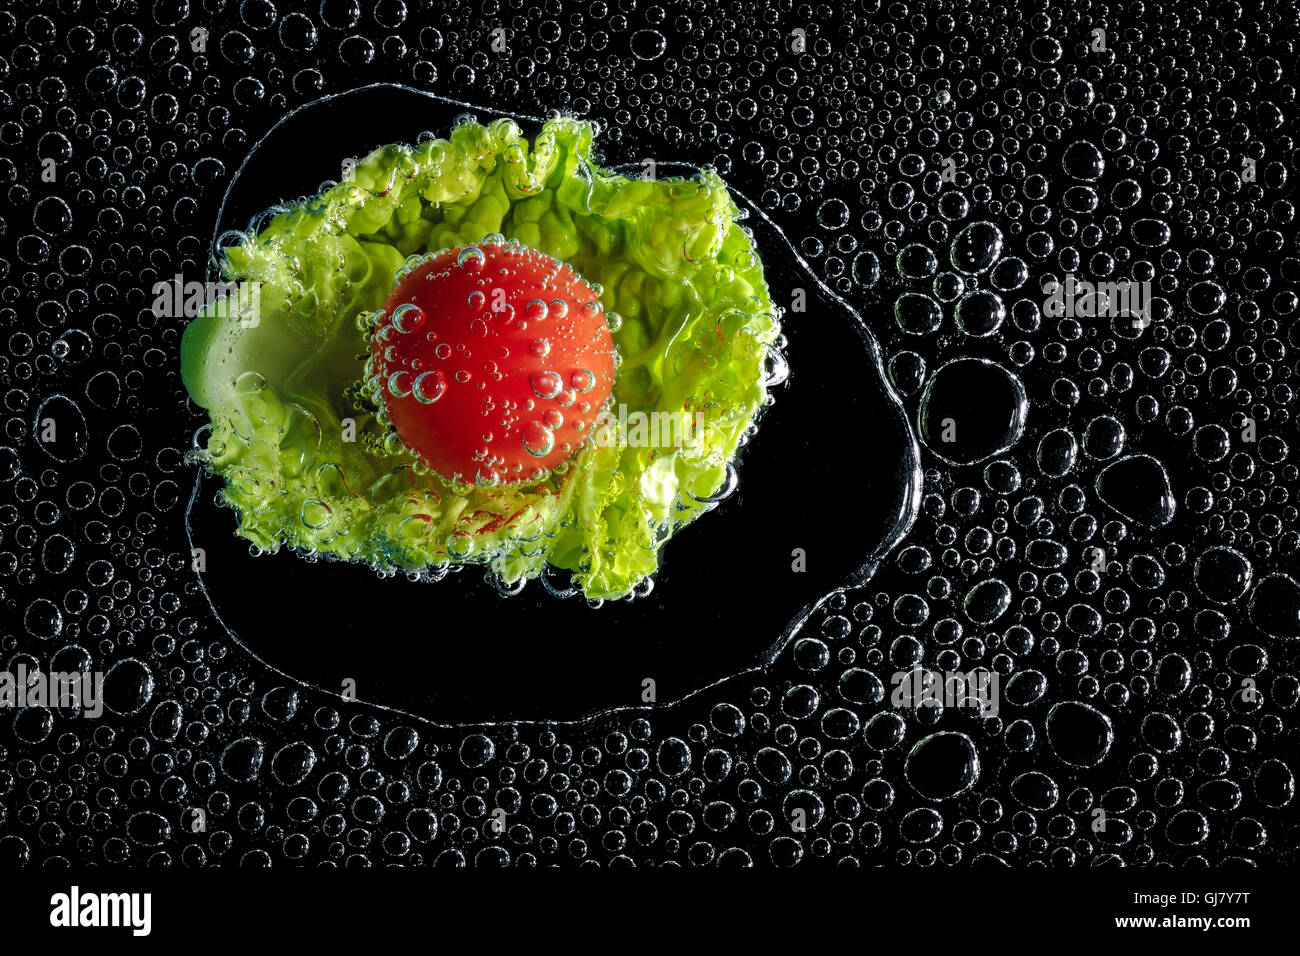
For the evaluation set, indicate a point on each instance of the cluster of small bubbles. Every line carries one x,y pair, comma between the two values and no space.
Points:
1108,524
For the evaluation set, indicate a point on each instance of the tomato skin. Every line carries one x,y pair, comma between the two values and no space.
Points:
493,362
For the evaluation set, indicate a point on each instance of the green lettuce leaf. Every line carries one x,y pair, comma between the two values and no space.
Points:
308,464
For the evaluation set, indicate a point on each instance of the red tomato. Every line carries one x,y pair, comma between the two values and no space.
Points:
493,360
